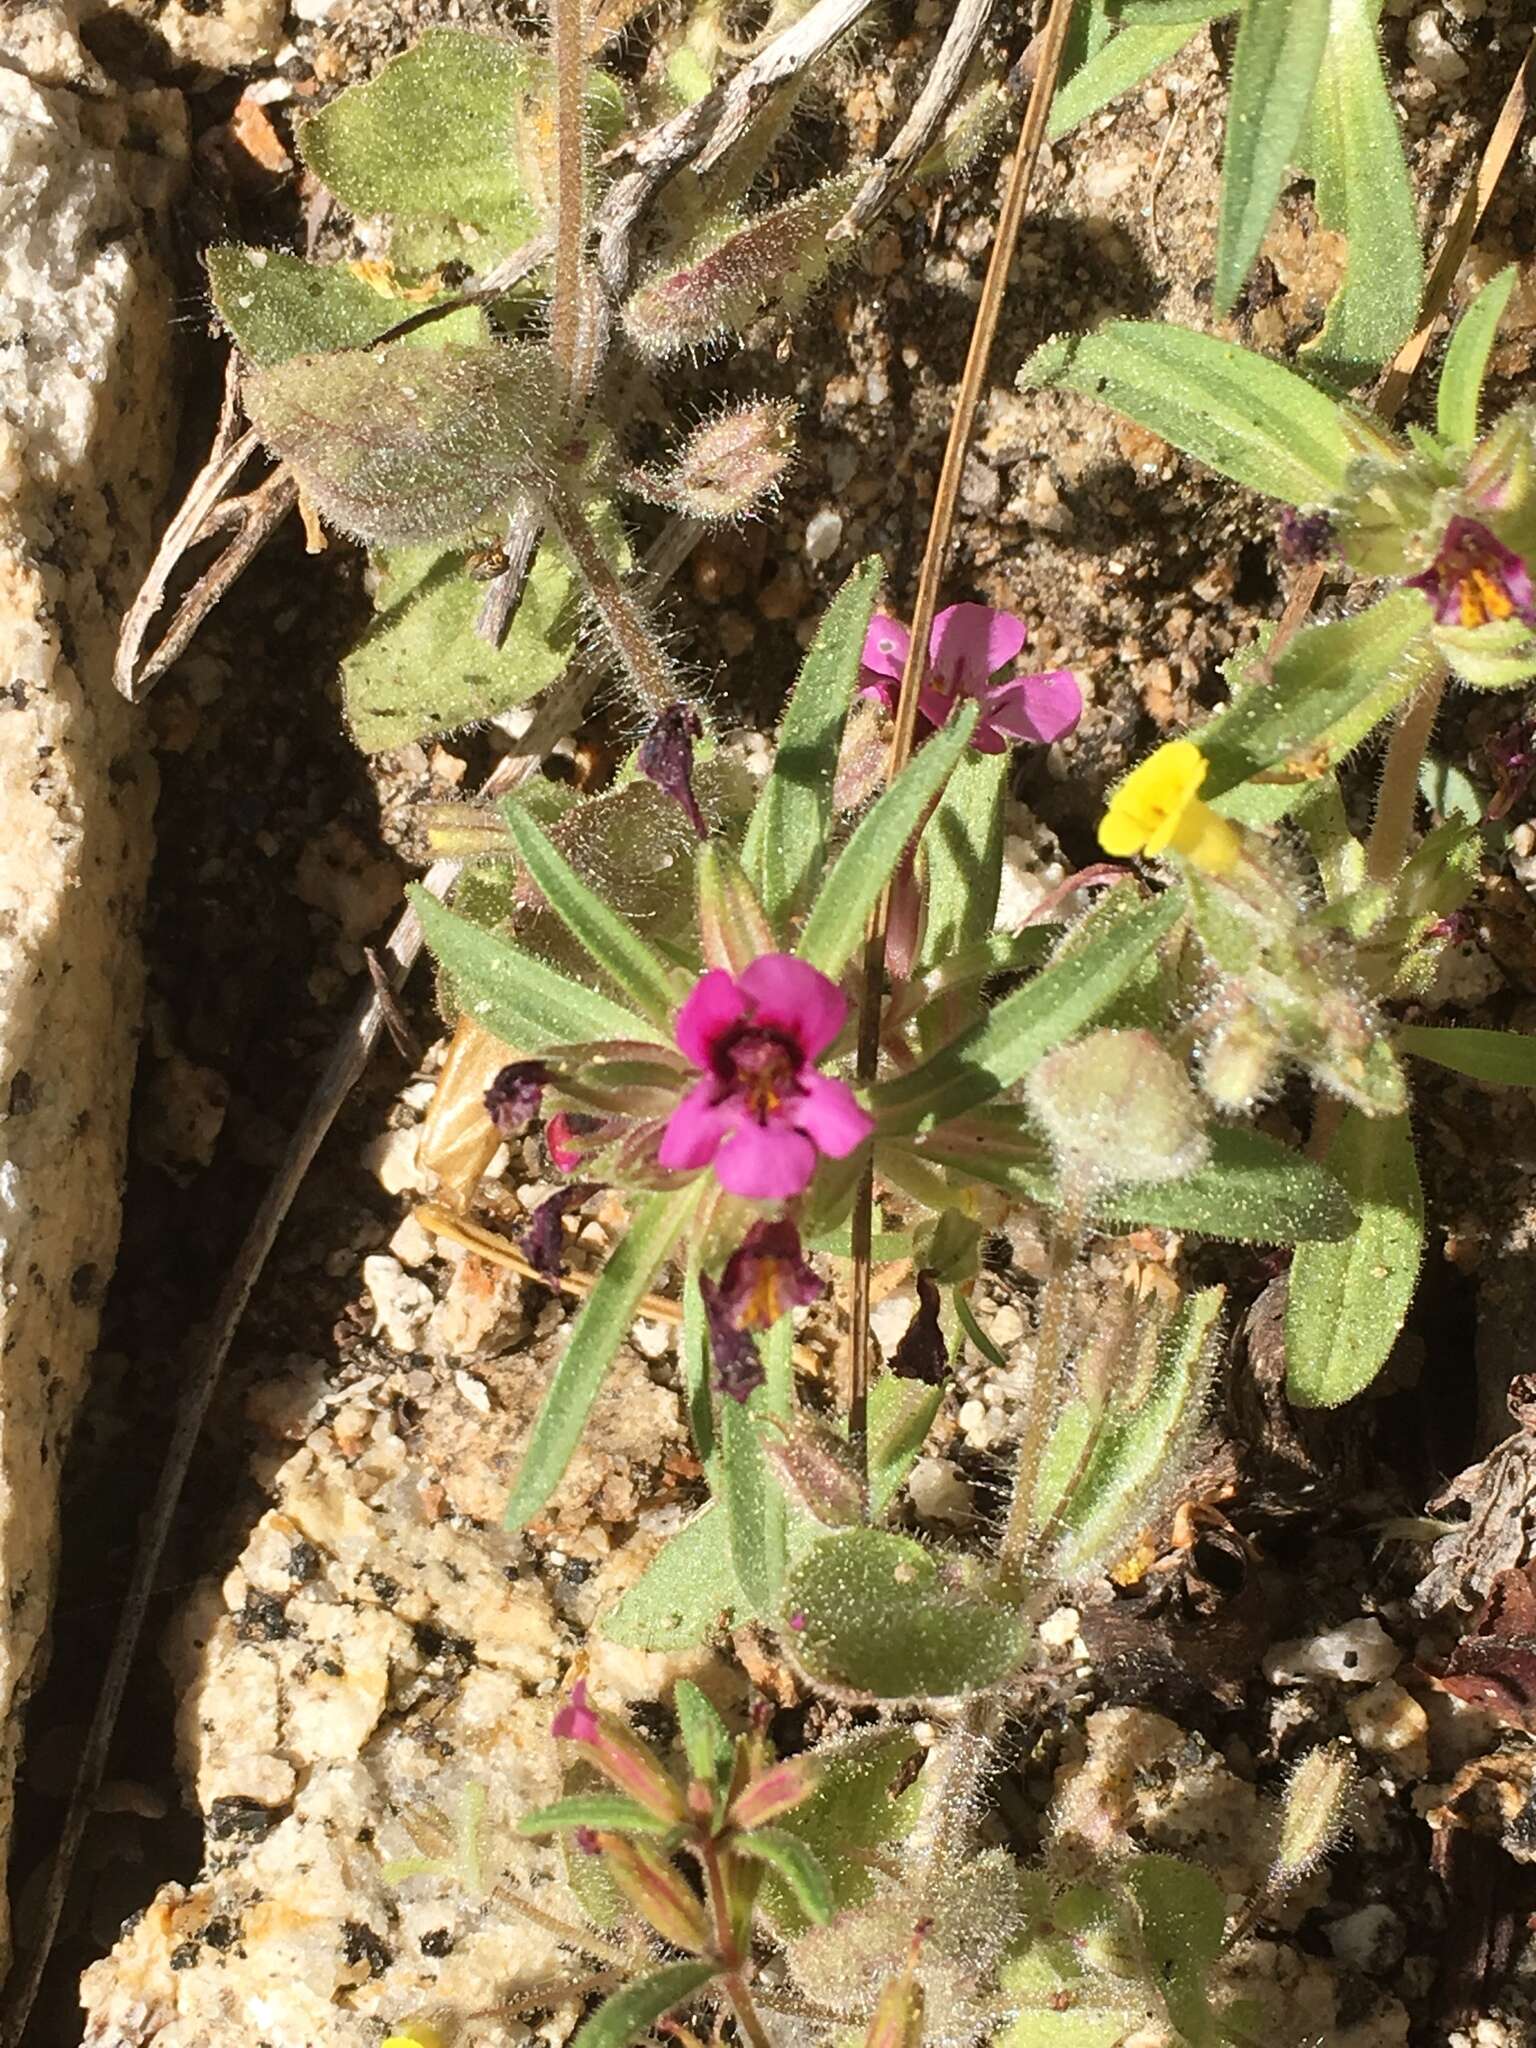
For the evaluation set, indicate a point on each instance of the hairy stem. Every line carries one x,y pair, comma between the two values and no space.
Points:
1400,782
622,614
1020,1539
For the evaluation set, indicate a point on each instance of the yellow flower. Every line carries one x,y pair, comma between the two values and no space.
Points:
1156,809
418,2034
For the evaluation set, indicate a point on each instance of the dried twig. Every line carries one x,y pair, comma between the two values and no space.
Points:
703,133
505,592
962,39
935,555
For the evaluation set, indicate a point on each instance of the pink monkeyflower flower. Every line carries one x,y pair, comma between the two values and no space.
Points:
620,1756
1475,580
763,1114
969,648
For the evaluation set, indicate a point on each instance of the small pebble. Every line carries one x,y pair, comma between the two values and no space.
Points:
1007,1327
1359,1653
1370,1940
823,534
401,1305
412,1245
1388,1722
889,1319
938,1492
1431,53
391,1159
651,1339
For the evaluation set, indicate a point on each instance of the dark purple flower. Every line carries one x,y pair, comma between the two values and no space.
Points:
969,647
543,1241
666,758
1475,580
767,1275
921,1354
1305,537
763,1114
513,1098
738,1369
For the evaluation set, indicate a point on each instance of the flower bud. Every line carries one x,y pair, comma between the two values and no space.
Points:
666,758
619,1755
1239,1059
657,1890
731,464
778,1789
1117,1107
1314,1811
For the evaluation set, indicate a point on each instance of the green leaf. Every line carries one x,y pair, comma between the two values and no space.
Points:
1348,1300
694,1359
963,848
787,838
754,1504
1095,1504
603,1324
516,997
1274,67
433,141
1354,152
400,444
1252,419
835,928
635,2010
610,1810
640,974
854,1808
421,668
1253,1190
1507,1059
872,1613
1466,360
277,306
685,1595
706,1740
1183,1919
901,1414
794,1862
1129,57
1332,685
1052,1007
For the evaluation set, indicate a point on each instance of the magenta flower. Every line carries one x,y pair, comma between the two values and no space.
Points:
767,1275
968,649
762,1114
1475,580
619,1755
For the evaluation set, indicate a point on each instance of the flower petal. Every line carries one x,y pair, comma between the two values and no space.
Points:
765,1162
885,647
791,996
830,1116
971,642
1040,708
696,1129
714,1004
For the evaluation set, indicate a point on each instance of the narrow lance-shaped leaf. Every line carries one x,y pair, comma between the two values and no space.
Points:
623,956
1021,1029
1131,55
1466,360
795,1863
1274,66
835,927
1354,152
609,1810
1332,686
635,2010
1348,1300
754,1505
1506,1059
658,1222
963,849
1252,419
785,841
706,1740
516,997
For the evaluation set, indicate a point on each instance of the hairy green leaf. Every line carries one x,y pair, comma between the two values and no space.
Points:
516,997
963,848
635,2010
1274,67
901,1413
1354,152
1348,1300
603,1324
1183,1919
640,974
609,1810
1050,1008
686,1593
1332,685
404,444
1125,60
786,840
706,1740
854,1807
874,1613
1507,1059
835,928
1466,360
796,1864
754,1504
1252,419
1253,1190
276,306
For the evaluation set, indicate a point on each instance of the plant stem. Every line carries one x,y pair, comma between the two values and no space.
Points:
1400,781
623,616
935,555
726,1950
1021,1535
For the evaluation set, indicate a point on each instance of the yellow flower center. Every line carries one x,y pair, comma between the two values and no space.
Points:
1157,808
